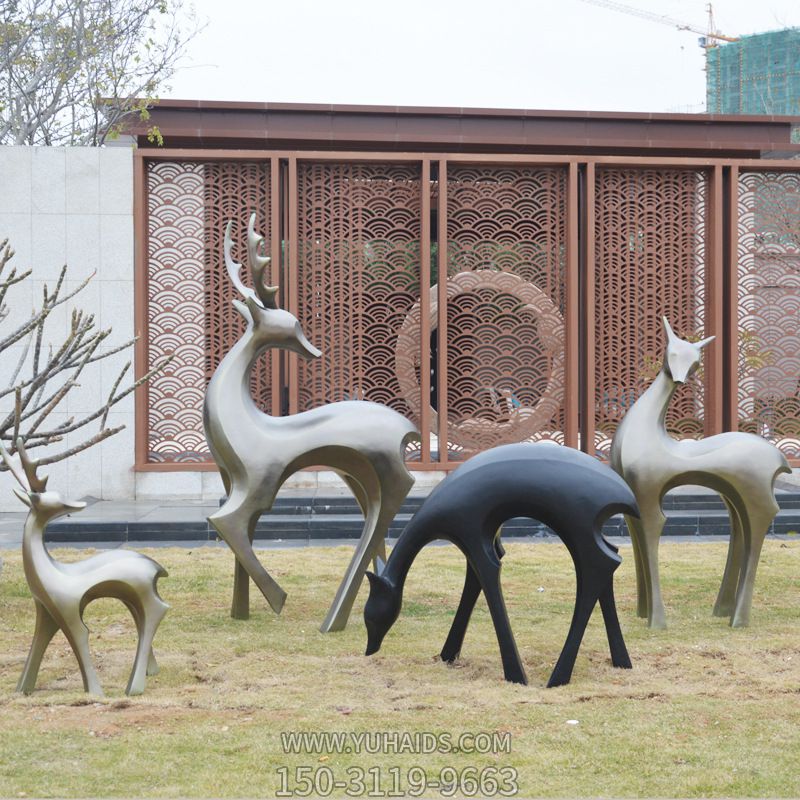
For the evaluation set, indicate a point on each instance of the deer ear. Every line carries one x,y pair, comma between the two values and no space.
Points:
703,342
23,496
254,305
270,296
373,578
667,327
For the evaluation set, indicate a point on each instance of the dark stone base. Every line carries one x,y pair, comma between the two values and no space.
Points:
339,517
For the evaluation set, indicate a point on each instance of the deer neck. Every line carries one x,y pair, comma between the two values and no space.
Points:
234,370
35,558
401,559
643,428
653,405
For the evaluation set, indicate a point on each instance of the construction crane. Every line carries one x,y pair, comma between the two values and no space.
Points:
710,37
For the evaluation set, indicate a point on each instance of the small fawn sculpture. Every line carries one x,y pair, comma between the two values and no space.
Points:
62,591
255,453
567,490
741,467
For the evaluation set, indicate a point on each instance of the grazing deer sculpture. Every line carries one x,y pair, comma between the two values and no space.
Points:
62,591
741,467
255,453
567,490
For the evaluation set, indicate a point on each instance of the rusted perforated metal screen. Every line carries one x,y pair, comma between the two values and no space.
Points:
233,191
650,261
506,246
349,237
769,307
176,301
190,314
358,278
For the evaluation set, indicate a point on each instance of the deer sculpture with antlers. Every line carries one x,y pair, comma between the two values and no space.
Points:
741,467
255,453
62,591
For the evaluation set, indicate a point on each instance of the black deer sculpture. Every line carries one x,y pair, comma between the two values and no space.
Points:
569,491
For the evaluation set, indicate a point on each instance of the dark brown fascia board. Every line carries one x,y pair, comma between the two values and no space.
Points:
215,124
453,111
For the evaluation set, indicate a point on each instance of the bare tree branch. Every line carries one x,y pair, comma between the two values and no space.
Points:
40,383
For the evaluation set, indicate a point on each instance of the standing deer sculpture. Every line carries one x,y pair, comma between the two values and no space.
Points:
567,490
362,441
61,592
741,467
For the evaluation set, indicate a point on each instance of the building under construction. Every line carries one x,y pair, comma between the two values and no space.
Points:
758,74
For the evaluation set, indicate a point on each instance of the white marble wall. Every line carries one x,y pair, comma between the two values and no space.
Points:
75,206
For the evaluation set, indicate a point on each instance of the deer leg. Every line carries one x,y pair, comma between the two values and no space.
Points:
653,520
636,532
357,489
148,619
152,664
755,529
78,637
726,599
383,504
44,631
240,604
588,591
469,596
234,527
339,612
616,642
489,575
379,554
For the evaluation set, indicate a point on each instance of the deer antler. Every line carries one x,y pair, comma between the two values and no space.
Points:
233,267
28,479
13,467
258,266
38,483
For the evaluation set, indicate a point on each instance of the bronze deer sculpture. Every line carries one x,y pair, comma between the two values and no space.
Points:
255,453
741,467
62,591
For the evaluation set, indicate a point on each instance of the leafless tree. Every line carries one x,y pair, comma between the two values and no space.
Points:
41,375
72,71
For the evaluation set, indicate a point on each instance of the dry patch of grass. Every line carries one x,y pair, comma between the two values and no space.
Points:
707,710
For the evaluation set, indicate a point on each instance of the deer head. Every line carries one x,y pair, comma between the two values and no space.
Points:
45,505
682,358
269,324
380,611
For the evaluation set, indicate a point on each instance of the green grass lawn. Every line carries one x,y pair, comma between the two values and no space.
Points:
706,710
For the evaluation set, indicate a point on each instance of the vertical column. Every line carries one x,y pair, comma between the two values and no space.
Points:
713,356
292,304
730,392
425,312
275,271
140,249
588,398
572,334
441,272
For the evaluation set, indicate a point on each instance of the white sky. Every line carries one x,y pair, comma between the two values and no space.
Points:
565,54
